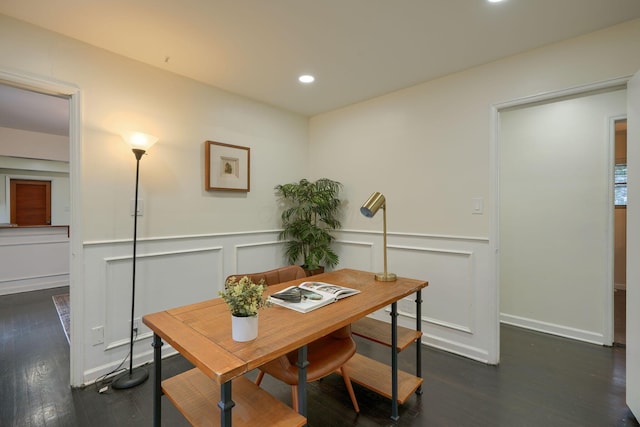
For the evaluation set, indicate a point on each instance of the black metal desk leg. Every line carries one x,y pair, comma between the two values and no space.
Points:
394,362
302,380
419,343
157,380
225,404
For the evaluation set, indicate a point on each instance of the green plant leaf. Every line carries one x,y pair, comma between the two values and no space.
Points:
310,213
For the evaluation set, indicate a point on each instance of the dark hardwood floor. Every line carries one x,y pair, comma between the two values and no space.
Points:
541,381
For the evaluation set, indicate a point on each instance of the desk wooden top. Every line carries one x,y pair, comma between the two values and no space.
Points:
201,332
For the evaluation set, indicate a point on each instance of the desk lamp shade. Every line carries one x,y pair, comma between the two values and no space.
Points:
369,209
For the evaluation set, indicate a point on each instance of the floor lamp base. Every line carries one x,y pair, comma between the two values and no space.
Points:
130,379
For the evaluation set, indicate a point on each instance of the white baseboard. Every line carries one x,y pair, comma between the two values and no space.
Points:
33,284
473,353
553,329
143,358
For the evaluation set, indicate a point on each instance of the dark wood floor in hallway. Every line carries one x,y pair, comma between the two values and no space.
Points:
542,381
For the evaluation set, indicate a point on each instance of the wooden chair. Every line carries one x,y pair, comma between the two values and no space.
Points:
325,355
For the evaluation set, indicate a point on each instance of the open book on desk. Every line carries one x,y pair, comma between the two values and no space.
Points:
308,296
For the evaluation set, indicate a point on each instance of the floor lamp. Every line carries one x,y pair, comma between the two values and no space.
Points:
139,143
369,209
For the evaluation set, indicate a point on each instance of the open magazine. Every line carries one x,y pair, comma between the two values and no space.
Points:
308,296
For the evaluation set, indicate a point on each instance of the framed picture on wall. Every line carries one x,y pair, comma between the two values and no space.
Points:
226,167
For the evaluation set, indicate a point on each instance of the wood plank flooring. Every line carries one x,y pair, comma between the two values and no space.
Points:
541,381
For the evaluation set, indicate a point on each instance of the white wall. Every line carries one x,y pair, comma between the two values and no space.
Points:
428,148
118,95
34,145
556,213
121,95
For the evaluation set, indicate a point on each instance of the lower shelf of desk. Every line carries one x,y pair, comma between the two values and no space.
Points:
196,396
376,377
378,331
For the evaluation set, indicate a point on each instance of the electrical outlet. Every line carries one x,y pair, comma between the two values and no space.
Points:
97,335
136,324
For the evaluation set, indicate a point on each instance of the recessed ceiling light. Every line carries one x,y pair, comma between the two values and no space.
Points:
306,78
495,1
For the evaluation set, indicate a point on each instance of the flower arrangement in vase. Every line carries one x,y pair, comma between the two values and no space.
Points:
244,299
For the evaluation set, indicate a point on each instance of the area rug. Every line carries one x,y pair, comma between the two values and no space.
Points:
62,307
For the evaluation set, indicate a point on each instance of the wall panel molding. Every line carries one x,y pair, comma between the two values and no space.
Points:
258,256
170,272
456,268
33,258
163,279
193,268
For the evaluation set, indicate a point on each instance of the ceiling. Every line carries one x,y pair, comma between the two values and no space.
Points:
356,49
35,112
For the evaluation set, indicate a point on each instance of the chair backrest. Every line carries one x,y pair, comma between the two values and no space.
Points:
275,276
284,274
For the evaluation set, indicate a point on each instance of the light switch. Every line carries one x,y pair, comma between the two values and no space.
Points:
477,206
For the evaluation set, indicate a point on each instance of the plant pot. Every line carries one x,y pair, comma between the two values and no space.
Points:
313,272
244,328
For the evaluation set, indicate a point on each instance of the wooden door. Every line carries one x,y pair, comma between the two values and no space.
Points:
30,202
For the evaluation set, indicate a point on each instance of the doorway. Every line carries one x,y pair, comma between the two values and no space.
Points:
620,233
72,94
555,226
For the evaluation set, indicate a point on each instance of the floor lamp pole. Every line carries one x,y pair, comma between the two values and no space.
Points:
131,379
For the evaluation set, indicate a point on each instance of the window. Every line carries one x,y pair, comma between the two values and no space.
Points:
620,185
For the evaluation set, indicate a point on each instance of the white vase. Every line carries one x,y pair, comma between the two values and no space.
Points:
244,328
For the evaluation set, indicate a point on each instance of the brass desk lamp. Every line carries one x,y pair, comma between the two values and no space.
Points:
369,209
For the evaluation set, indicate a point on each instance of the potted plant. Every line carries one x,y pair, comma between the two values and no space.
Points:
244,299
310,215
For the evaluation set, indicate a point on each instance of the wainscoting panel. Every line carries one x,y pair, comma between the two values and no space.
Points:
33,258
256,257
358,255
175,271
458,272
170,272
163,280
450,276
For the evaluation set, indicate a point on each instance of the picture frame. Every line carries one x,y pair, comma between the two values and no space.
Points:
227,167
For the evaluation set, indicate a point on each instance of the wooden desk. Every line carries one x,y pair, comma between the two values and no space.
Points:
201,332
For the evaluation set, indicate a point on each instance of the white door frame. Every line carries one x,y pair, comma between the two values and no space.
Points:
633,244
609,315
76,291
495,186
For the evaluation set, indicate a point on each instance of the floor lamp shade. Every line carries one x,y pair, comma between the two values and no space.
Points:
374,203
139,143
139,140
